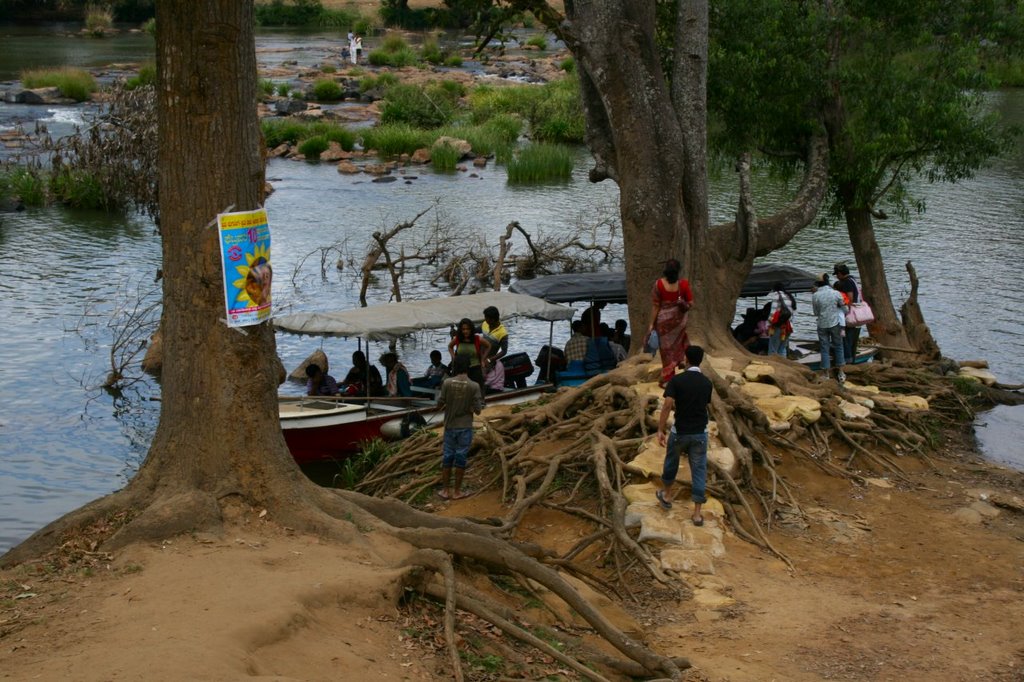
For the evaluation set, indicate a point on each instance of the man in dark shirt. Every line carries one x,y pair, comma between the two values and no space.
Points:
461,398
688,393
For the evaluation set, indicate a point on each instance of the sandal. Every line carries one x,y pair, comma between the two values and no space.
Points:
698,520
443,494
662,502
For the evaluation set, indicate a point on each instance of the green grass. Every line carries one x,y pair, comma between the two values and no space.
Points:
539,42
454,61
311,147
1007,73
98,20
444,157
397,138
427,106
145,76
568,65
267,87
279,130
283,89
326,90
79,189
540,162
430,51
353,469
393,51
382,82
150,27
553,111
307,13
76,84
29,185
328,68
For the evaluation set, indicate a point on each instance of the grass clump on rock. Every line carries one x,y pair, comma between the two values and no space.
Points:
76,84
145,76
98,20
397,138
538,42
277,131
393,51
540,162
78,189
312,147
444,157
429,106
326,90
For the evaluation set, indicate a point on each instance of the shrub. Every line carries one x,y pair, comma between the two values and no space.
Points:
453,60
382,82
452,89
313,146
568,65
145,76
540,163
558,116
79,189
76,84
424,107
283,89
298,13
326,90
430,51
444,157
267,87
98,20
538,41
150,27
279,130
327,68
395,139
28,185
393,51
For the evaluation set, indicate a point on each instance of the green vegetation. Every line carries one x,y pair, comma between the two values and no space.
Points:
279,130
381,82
326,90
26,184
1006,73
444,157
430,51
327,68
312,147
393,51
966,387
145,76
453,61
307,13
283,89
78,189
353,469
568,65
539,42
76,84
267,87
426,106
540,162
554,110
150,27
98,20
397,138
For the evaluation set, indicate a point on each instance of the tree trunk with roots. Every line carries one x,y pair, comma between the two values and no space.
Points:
649,135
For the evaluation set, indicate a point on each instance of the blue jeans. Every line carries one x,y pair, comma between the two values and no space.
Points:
696,447
831,338
776,344
456,448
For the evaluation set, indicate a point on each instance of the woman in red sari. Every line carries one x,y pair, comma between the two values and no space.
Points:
672,299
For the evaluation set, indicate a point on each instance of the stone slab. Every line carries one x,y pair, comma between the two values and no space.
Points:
756,371
853,410
758,390
659,529
687,561
786,407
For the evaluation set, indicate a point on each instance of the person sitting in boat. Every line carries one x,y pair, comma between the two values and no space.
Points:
319,382
495,333
548,355
435,374
617,350
363,372
599,357
494,377
620,336
475,347
576,346
398,376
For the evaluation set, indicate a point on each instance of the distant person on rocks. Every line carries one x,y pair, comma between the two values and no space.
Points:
460,397
845,284
829,312
359,49
353,54
671,299
688,393
319,382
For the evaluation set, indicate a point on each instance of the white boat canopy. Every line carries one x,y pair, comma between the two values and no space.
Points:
388,321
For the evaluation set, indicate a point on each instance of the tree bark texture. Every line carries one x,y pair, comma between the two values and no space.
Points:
218,429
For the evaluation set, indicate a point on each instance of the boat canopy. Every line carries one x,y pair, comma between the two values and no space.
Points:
610,287
389,321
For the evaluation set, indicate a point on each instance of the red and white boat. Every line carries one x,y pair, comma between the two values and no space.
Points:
318,429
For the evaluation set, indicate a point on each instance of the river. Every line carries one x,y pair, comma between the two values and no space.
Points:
63,274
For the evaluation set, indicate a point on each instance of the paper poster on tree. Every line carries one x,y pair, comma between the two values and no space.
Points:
245,253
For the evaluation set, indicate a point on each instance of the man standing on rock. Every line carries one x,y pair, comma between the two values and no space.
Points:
460,397
688,393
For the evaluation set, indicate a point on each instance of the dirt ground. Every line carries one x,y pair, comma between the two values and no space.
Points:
891,583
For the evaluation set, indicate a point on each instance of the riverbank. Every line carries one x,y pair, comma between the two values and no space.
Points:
911,582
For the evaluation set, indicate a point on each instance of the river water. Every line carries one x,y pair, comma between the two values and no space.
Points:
64,274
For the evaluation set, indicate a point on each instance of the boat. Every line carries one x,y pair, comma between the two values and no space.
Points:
808,353
328,428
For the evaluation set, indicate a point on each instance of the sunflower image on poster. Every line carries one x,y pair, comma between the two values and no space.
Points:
248,274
